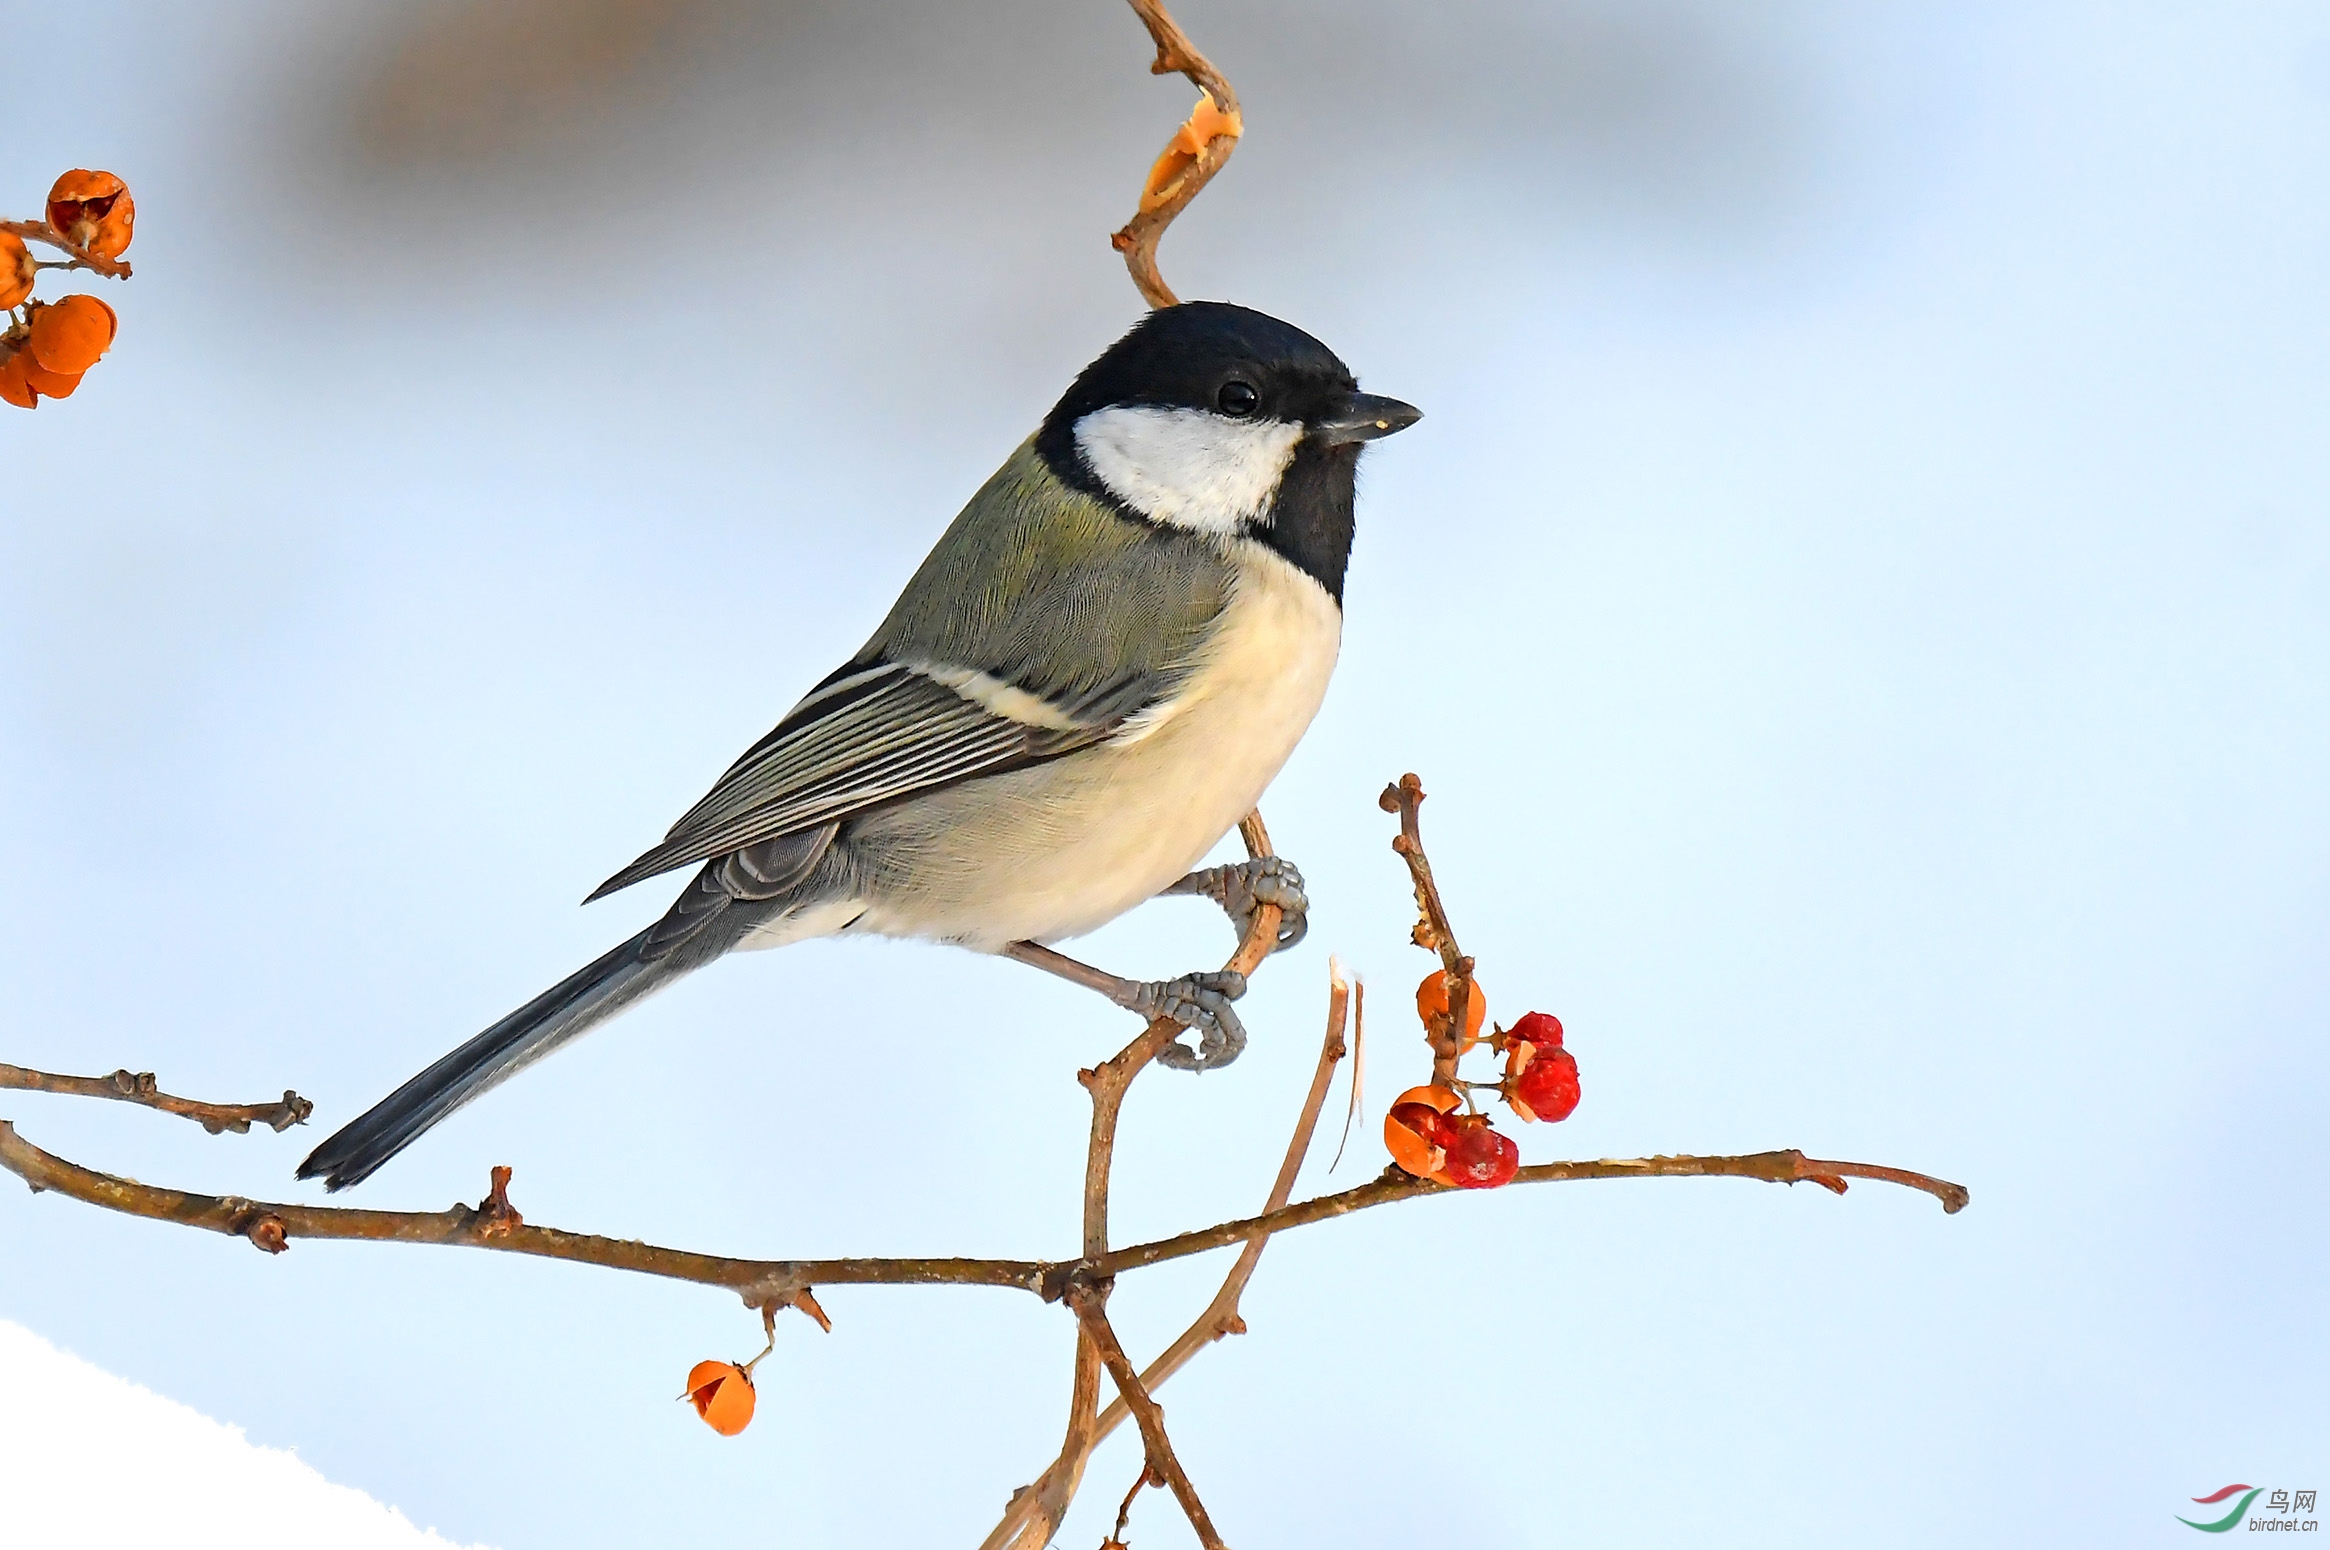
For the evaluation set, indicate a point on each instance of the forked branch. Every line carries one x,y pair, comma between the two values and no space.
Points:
1089,1300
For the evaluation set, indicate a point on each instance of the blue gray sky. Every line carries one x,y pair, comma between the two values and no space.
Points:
1860,600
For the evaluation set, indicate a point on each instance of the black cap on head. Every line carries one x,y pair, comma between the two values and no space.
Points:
1217,358
1189,357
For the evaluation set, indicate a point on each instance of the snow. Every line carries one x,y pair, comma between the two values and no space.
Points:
91,1460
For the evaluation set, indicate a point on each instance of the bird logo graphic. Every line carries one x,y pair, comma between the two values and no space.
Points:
2240,1508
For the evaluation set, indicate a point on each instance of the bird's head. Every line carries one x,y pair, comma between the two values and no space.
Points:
1217,419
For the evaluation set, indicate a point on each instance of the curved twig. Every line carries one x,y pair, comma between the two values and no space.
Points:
1198,150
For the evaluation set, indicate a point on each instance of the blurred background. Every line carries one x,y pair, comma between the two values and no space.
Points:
1859,601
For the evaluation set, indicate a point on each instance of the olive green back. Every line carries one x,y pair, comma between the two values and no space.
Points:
1051,591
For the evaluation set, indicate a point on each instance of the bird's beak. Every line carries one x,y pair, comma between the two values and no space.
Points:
1363,417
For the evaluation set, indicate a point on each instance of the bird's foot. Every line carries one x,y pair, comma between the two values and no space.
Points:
1245,886
1200,1002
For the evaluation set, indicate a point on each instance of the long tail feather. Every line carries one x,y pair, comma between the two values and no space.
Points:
571,1007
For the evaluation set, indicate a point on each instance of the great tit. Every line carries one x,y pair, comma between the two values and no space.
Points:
1087,684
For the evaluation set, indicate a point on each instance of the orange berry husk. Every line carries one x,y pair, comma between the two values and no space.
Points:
93,210
1411,1151
15,386
1432,1006
69,335
18,269
1411,1148
722,1394
47,383
1206,123
1440,1099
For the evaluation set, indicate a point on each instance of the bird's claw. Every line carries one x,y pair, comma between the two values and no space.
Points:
1196,1001
1245,886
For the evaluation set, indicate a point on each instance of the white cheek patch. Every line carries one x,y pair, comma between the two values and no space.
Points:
1187,467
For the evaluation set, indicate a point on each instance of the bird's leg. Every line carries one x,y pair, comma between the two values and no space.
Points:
1196,1001
1244,886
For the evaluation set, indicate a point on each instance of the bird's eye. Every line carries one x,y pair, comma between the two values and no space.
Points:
1238,399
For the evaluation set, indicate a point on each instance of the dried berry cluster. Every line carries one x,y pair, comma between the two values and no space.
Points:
1424,1131
47,345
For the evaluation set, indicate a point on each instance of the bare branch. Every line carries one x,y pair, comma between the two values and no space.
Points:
139,1087
1089,1302
1198,150
492,1226
42,231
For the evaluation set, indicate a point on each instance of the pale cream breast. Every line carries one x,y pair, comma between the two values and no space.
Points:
1063,848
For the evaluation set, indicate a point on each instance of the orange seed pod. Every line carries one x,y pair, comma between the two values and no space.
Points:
47,383
722,1394
1432,1006
15,387
69,335
18,269
93,210
1414,1133
1206,123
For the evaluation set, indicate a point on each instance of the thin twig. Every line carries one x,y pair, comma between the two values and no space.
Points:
1358,1069
1089,1300
1404,796
1394,1184
1124,1509
42,231
139,1087
1184,169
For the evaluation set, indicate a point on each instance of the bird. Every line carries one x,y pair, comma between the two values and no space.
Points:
1088,682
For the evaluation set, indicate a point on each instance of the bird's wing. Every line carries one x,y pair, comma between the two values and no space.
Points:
1041,623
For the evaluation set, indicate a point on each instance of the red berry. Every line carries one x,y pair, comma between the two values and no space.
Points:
1478,1157
1545,1087
1542,1029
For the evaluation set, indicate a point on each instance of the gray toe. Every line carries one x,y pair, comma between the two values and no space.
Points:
1200,1002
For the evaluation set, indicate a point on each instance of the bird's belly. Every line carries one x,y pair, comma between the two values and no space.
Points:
1063,848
